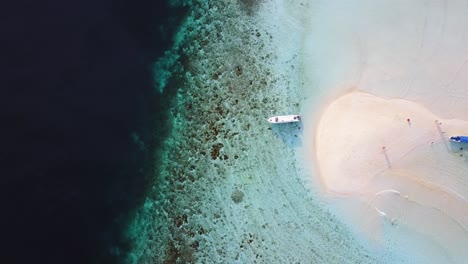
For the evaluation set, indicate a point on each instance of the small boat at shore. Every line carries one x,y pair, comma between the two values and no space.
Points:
462,139
284,119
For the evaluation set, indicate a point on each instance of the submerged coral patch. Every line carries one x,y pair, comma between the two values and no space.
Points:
230,80
215,149
237,196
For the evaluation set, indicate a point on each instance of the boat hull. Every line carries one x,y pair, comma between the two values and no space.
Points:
460,139
284,119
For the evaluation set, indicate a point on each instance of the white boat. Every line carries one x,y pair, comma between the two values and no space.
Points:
284,119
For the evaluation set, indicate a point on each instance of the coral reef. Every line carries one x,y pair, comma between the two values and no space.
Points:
220,154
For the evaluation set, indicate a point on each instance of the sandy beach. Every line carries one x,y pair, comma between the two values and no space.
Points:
399,172
393,82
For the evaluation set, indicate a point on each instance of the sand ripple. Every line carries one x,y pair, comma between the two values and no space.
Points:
408,180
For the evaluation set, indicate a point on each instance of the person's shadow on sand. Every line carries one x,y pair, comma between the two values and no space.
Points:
290,133
460,148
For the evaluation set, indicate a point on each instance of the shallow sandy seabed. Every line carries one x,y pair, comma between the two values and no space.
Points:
233,189
374,64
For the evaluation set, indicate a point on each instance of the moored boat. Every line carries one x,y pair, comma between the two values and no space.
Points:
284,119
462,139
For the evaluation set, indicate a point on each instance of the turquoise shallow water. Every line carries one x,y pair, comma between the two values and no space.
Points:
223,194
232,188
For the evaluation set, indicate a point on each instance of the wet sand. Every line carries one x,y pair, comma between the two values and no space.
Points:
402,173
374,65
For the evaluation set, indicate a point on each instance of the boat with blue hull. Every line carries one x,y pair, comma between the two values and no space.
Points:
461,139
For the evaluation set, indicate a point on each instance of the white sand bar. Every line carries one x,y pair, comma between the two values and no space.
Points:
418,181
377,64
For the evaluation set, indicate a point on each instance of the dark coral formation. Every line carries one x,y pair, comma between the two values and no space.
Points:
214,93
237,196
215,150
250,6
238,70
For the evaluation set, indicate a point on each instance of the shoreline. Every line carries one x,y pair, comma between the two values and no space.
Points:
233,188
352,47
356,171
230,187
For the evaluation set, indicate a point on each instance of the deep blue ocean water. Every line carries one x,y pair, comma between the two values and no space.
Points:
76,84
